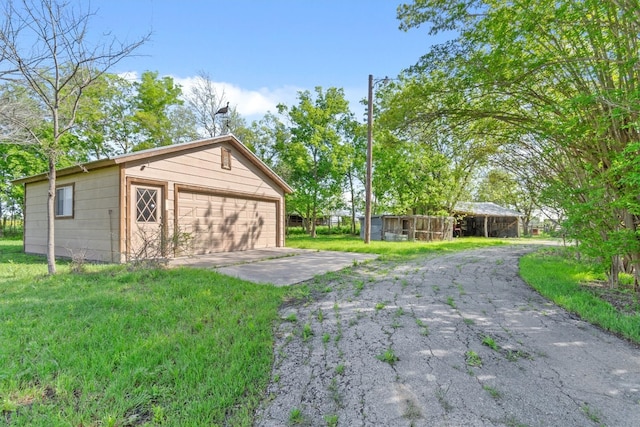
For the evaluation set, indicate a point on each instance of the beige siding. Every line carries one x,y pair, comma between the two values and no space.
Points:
224,224
202,168
94,228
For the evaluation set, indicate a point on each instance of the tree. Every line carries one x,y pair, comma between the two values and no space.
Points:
315,152
355,141
105,118
151,109
563,76
513,191
267,138
424,165
59,65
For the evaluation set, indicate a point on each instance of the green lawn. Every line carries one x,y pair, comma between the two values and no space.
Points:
578,287
113,347
348,243
116,347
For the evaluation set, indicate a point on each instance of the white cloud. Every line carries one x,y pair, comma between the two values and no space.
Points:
251,104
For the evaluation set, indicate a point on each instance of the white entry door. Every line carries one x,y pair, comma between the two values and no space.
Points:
147,223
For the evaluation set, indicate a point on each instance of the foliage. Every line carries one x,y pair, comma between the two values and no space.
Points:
424,164
571,284
507,189
315,151
349,243
184,346
43,46
554,83
154,97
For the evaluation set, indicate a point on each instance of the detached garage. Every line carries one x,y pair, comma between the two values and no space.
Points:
205,196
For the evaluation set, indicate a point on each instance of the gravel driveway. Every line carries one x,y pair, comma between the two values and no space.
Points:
401,344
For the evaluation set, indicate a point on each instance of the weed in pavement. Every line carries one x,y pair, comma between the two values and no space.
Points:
492,391
441,395
451,302
388,356
358,286
331,420
473,359
307,332
296,417
591,413
490,342
291,318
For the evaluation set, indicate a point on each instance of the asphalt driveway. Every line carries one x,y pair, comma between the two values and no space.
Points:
453,340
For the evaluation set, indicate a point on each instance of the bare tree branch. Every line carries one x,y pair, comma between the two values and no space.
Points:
57,67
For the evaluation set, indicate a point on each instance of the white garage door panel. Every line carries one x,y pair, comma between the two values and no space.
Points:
224,224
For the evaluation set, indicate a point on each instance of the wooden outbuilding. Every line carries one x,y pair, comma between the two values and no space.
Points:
409,227
211,195
485,219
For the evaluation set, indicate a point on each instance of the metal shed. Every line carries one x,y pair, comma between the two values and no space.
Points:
486,219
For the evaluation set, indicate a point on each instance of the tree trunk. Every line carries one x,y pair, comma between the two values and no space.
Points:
314,215
51,246
353,205
614,272
486,226
630,222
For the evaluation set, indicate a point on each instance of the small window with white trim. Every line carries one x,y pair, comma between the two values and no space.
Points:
64,202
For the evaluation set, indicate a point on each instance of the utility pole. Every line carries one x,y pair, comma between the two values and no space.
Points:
367,209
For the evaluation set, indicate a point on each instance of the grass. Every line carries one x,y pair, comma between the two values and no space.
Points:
296,417
568,283
473,359
388,356
492,391
451,302
119,347
348,243
490,342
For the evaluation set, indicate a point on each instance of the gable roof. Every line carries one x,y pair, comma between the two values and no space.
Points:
160,151
484,209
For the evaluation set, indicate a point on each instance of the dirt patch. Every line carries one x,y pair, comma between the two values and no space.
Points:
623,300
452,340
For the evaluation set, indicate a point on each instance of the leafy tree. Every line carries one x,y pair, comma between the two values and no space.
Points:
267,138
425,163
504,188
315,152
355,141
183,125
562,75
152,105
43,45
105,118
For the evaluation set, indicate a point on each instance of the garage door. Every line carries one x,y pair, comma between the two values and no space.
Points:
225,224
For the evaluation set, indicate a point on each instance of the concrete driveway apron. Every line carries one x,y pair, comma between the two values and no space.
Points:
278,266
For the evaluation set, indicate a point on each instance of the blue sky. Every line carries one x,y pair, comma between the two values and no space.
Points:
261,52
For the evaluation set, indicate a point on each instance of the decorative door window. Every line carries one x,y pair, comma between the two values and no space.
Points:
146,205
